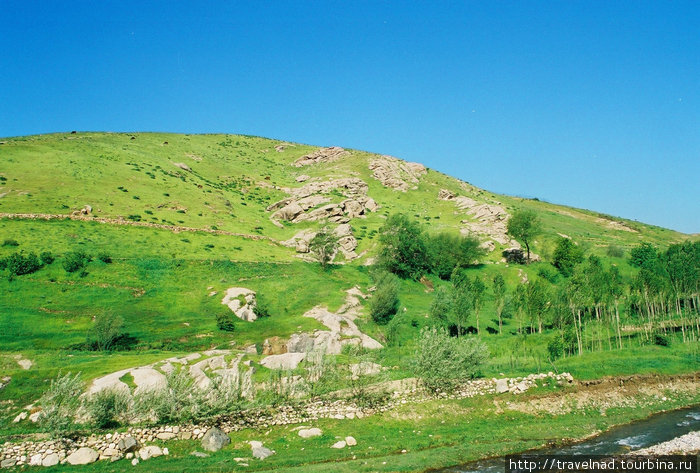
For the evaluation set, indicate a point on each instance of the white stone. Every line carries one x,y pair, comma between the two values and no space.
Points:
339,444
350,441
309,433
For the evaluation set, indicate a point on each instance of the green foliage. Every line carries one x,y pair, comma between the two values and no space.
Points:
10,242
403,248
106,329
75,260
524,226
441,306
224,321
46,258
447,252
108,408
555,347
643,256
615,251
566,256
60,403
323,246
261,307
20,263
385,301
104,257
443,362
662,340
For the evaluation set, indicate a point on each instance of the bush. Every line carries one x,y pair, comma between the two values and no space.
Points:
75,260
225,322
106,329
385,302
662,340
514,256
46,257
447,252
108,408
555,348
615,251
60,403
10,242
104,257
19,263
443,362
403,248
566,256
261,308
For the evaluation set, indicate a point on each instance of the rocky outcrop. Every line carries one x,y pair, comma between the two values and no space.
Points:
274,346
488,220
242,302
287,361
395,173
444,194
183,166
322,155
347,243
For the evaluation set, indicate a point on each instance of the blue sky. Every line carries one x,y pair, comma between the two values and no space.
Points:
589,104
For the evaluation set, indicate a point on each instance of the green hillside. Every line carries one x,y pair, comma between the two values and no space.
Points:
170,222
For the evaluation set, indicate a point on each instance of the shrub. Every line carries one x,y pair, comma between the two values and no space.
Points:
225,322
323,246
60,403
75,260
566,256
403,248
261,307
443,362
514,256
104,257
46,257
180,401
19,263
615,251
662,340
447,252
108,408
555,348
385,302
106,329
10,242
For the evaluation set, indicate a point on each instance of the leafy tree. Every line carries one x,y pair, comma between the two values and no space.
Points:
385,302
478,288
403,248
441,306
643,255
447,252
106,329
443,362
524,226
499,295
566,256
462,299
323,246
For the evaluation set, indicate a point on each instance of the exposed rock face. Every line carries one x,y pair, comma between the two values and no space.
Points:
183,166
322,155
491,220
347,243
444,194
83,456
302,178
287,361
366,368
395,173
274,346
242,302
215,439
306,203
148,379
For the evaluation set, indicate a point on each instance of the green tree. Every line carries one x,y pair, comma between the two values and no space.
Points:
447,252
403,248
385,301
441,306
524,226
566,256
499,295
323,246
478,289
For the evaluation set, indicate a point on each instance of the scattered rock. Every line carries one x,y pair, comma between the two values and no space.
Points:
501,386
259,451
24,363
274,346
8,463
199,454
309,433
444,194
302,178
50,460
322,155
339,444
83,456
183,166
135,461
365,368
20,417
350,441
215,439
150,451
242,302
127,444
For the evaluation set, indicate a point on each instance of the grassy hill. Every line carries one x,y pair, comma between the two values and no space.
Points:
184,217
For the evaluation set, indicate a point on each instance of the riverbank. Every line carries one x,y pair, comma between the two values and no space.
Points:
687,444
437,433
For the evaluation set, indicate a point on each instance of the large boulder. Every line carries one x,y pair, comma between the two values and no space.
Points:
274,346
287,361
83,456
150,451
127,444
50,460
501,386
259,451
215,439
309,433
242,302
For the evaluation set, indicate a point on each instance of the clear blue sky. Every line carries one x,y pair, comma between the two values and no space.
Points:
590,104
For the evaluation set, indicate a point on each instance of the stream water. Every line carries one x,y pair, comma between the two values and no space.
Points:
656,429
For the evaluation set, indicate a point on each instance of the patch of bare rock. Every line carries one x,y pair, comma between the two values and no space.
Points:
242,302
347,243
395,173
322,155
